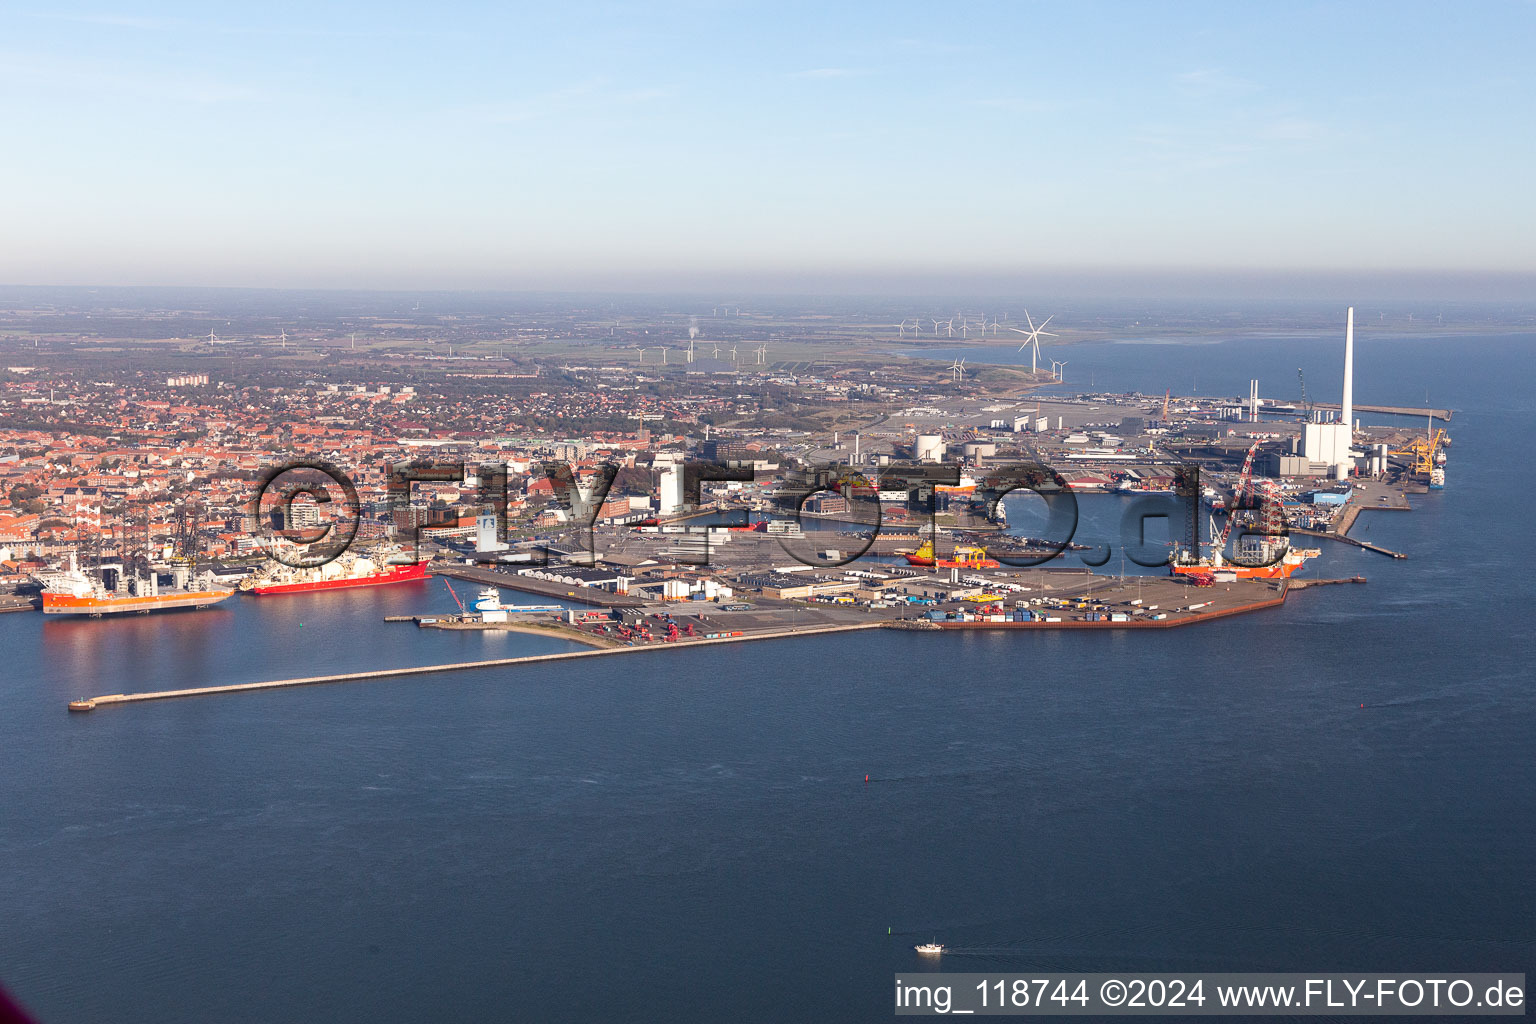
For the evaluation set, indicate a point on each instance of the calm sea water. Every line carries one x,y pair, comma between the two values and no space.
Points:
688,836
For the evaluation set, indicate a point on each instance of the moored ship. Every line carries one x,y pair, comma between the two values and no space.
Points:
1254,550
75,591
347,570
964,558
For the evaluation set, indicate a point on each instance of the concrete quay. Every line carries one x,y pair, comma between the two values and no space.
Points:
91,703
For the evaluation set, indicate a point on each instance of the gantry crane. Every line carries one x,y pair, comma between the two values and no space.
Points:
1424,452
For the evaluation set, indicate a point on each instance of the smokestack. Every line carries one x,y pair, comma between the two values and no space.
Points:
1349,371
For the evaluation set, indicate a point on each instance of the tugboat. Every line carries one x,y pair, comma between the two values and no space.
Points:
965,558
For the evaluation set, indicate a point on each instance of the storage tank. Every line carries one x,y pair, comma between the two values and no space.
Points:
929,448
979,449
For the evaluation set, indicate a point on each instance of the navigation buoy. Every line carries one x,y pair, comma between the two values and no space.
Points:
866,777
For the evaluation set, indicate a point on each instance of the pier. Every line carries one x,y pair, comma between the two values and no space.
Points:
1395,410
1195,605
92,703
1367,496
1346,539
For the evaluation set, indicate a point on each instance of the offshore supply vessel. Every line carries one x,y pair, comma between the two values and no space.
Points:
1183,564
109,590
964,558
350,569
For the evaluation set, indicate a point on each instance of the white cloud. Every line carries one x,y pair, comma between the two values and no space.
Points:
1212,82
69,74
830,73
1290,129
591,95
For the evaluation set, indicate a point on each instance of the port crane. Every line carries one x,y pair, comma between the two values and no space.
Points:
1244,485
455,597
1424,453
1306,403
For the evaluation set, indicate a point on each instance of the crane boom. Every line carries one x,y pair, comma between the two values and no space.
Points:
1244,484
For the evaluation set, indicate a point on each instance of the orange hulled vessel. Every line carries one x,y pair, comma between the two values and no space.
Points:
347,570
1279,568
73,591
964,558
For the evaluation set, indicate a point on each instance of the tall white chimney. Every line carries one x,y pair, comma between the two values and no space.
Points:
1349,372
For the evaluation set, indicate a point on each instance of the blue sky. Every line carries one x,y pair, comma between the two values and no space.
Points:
609,145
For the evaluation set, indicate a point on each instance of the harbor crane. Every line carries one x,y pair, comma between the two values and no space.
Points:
1424,453
1244,485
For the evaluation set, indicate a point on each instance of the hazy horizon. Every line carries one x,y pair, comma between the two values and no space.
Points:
1415,291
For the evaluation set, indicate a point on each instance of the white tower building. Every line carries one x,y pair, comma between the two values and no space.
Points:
1329,443
485,534
671,493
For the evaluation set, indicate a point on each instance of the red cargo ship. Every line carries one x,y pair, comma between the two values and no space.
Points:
346,571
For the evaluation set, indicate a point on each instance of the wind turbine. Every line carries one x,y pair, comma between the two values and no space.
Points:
211,336
958,369
762,355
642,357
716,353
283,337
733,355
1032,339
1056,371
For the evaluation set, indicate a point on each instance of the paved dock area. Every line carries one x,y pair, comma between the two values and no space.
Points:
1365,496
528,585
1055,599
